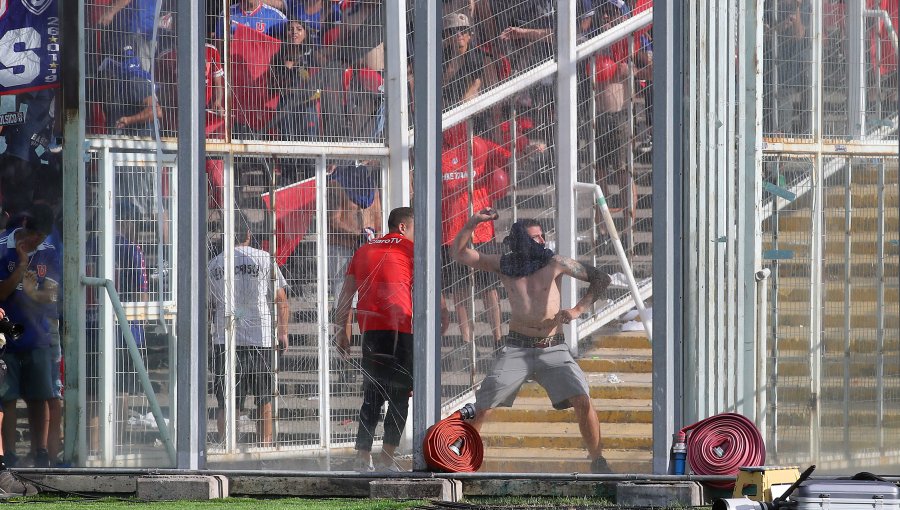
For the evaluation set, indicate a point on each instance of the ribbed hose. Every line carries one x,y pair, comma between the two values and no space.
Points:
721,444
453,446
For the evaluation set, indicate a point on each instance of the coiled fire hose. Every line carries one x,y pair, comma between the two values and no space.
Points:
452,445
721,444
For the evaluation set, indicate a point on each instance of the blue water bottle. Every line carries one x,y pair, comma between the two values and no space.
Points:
679,453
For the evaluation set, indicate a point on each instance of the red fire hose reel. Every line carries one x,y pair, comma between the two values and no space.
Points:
452,445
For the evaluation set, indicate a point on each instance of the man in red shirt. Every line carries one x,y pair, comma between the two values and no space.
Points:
381,271
487,157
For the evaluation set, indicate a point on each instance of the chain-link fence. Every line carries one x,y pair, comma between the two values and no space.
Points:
827,231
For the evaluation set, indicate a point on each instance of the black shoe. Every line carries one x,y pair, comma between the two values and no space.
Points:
41,459
599,466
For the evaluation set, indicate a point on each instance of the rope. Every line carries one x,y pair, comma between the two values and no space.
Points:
453,446
721,444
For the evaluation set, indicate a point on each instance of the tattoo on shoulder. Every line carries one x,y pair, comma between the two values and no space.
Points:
573,267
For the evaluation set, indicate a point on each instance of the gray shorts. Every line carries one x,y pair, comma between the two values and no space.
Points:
553,368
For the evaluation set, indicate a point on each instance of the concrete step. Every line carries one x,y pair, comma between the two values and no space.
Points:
864,318
862,220
635,386
861,196
795,340
628,436
791,367
863,389
617,360
861,244
617,340
797,290
556,460
539,410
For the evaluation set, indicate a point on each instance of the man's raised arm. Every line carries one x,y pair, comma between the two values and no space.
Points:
461,251
598,280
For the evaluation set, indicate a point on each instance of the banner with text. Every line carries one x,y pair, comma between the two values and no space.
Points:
29,45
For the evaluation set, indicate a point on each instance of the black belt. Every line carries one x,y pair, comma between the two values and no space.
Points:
514,339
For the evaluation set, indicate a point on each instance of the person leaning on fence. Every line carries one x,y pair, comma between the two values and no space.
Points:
535,348
27,266
252,315
381,271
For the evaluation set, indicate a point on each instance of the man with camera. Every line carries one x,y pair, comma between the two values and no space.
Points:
28,275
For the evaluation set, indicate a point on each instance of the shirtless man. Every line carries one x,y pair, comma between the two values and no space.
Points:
535,347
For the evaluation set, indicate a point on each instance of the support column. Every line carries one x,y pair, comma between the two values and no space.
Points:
667,226
191,328
71,15
427,288
397,111
566,153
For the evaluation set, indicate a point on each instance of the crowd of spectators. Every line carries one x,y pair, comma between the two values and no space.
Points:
311,69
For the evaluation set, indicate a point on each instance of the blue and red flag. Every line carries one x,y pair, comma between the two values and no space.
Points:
29,45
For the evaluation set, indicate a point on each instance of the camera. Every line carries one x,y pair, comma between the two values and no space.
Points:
12,330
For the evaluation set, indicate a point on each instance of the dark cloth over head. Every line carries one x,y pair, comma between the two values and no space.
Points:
525,256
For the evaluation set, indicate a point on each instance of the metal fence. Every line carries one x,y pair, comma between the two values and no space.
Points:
304,143
828,224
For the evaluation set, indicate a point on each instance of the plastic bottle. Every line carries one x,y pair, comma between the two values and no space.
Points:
679,453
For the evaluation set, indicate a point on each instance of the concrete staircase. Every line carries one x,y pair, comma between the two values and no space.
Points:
850,404
533,437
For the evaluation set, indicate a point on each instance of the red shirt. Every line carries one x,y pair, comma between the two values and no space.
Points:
488,156
383,269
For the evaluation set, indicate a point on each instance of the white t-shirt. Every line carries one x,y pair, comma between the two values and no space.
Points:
253,301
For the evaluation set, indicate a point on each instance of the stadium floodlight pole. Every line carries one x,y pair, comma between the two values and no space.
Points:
427,193
191,240
620,253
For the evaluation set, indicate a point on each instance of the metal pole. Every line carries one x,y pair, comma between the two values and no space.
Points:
667,225
427,187
229,208
856,60
107,406
147,386
773,378
749,198
592,152
879,310
273,306
191,330
848,289
631,191
694,221
398,103
620,252
815,303
567,152
322,307
72,72
760,387
817,249
470,305
514,160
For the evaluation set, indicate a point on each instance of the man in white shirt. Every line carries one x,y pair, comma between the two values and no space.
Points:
257,285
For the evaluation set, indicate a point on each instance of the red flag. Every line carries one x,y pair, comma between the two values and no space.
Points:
295,207
254,101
